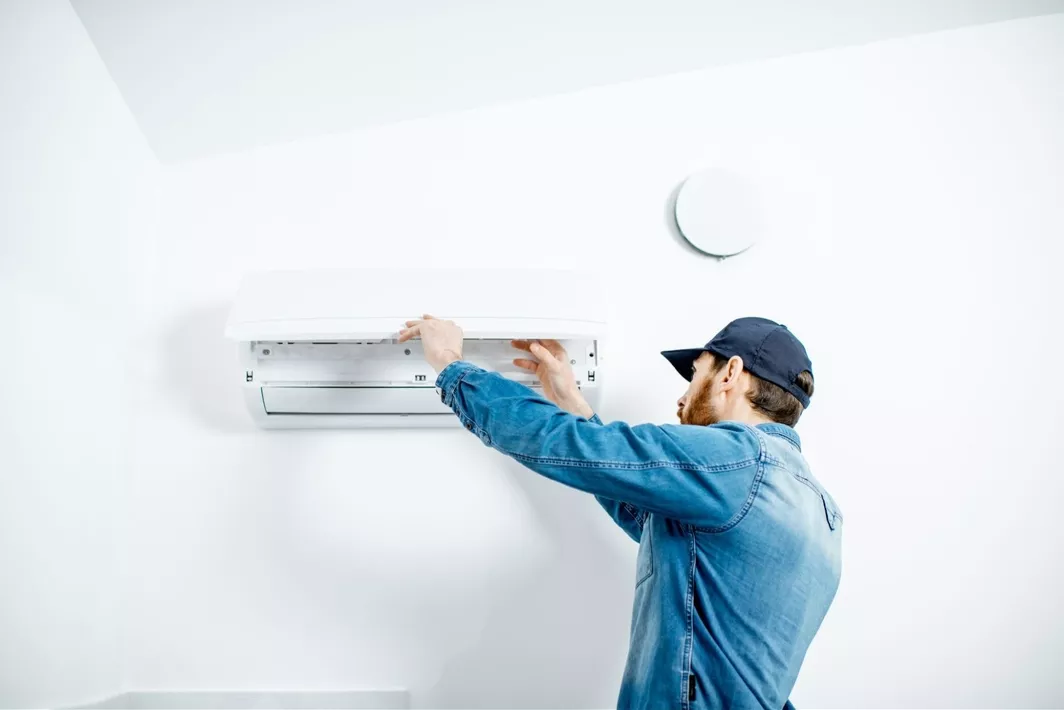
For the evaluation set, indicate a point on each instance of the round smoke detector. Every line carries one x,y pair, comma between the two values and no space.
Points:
717,213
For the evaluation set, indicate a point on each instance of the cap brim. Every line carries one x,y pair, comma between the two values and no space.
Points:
683,360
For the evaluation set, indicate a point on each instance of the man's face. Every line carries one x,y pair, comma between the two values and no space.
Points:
696,406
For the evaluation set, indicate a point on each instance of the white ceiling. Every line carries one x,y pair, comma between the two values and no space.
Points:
204,76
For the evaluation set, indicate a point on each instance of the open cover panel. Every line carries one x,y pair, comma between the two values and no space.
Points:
345,304
346,369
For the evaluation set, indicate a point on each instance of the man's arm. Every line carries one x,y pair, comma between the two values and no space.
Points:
627,516
559,386
702,475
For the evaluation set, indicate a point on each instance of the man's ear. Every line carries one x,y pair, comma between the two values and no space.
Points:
732,370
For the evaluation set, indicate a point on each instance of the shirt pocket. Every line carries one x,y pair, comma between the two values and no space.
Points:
644,563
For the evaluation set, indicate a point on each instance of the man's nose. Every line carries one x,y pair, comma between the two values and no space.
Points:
682,401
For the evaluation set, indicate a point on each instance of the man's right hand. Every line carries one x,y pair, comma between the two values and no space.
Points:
555,373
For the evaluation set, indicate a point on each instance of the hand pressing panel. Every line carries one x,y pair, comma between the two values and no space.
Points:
552,368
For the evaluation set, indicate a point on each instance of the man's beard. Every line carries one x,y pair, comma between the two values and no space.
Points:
699,409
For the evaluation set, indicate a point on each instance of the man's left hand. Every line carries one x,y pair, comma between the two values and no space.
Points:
441,339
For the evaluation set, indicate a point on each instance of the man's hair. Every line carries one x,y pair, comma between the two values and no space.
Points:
776,403
773,401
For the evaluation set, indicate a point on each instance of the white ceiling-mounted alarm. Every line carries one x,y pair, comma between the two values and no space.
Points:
717,213
318,348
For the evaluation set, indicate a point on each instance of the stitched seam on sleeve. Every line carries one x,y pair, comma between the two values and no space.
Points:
578,463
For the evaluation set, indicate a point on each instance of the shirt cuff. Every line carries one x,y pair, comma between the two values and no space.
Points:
450,377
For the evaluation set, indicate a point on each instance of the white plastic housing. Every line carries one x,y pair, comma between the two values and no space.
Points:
318,348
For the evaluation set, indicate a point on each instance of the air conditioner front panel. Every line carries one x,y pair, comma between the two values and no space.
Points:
357,383
388,363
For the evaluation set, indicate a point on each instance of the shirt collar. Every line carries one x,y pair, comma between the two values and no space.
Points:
782,430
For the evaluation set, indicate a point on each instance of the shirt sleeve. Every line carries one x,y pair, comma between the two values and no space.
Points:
701,475
627,516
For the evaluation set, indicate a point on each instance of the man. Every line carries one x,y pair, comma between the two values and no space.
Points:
739,546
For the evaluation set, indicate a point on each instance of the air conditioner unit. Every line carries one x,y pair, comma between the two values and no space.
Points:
318,348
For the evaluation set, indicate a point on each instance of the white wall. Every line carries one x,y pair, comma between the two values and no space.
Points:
913,217
76,189
912,204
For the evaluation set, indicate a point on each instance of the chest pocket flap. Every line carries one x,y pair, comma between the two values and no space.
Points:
831,510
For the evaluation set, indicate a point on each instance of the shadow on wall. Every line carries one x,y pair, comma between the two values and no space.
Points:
203,370
559,640
670,219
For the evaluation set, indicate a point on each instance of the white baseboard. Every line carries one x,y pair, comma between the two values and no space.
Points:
255,700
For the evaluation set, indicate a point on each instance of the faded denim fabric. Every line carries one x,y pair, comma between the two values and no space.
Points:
739,545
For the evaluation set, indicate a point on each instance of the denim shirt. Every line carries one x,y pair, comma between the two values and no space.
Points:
739,546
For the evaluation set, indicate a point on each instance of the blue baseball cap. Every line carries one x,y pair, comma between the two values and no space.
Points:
768,350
